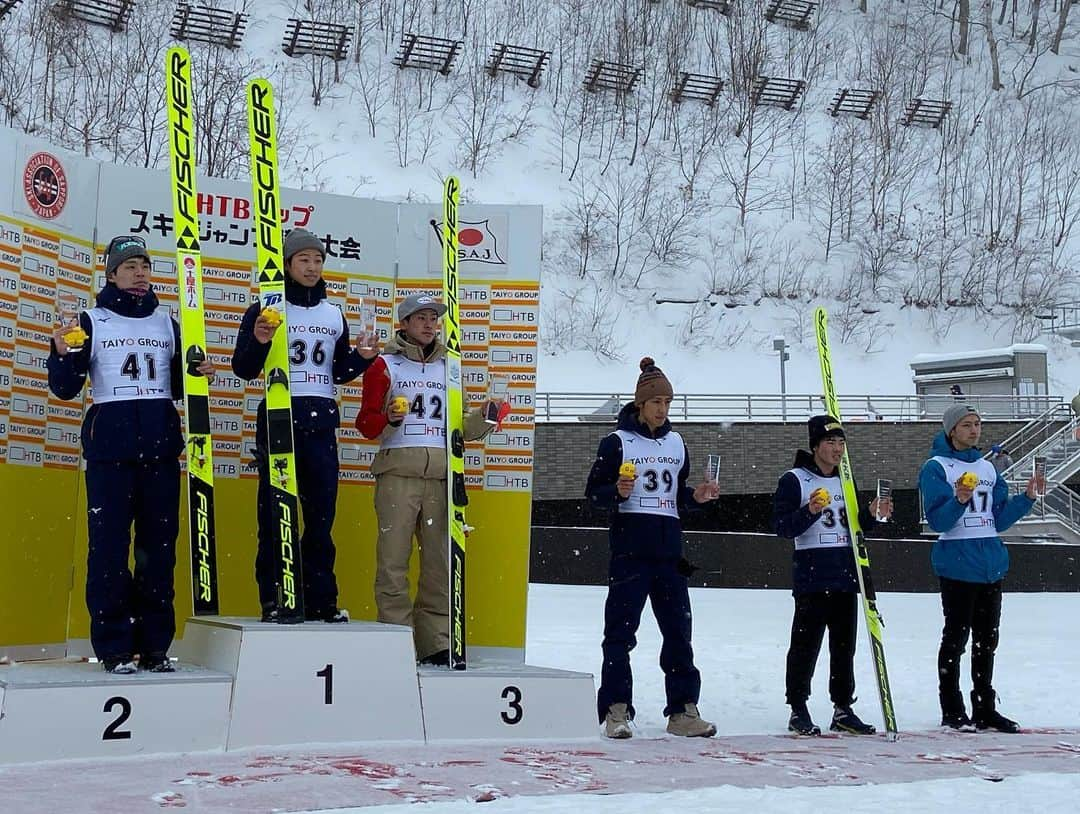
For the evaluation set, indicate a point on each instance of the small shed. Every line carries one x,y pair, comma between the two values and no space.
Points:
1016,370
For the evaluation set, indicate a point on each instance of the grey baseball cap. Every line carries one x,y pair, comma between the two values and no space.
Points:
955,414
418,302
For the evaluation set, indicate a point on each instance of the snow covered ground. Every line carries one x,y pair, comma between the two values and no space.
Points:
740,641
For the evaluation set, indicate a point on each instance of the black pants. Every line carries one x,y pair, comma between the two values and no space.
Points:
630,582
814,612
131,613
317,483
970,608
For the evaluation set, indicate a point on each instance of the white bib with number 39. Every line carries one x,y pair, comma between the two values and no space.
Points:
657,462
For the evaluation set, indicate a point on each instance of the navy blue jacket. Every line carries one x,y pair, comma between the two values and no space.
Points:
815,569
130,430
983,559
650,536
311,414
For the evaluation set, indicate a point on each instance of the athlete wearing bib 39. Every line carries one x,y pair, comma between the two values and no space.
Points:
131,440
808,507
319,358
967,502
404,406
640,475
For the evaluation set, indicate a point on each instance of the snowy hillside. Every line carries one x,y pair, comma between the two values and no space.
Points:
917,239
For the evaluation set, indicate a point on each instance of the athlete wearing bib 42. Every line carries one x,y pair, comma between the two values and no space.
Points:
808,507
640,475
404,407
131,441
319,358
967,502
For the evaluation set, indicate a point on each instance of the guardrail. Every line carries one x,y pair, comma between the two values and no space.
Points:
553,407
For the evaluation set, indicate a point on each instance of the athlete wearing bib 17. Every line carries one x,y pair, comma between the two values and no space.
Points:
967,502
808,507
319,358
640,475
132,442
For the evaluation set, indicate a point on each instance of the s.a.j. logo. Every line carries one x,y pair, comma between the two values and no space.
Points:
477,242
45,185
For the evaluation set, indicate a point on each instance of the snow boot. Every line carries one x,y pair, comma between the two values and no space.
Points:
958,721
985,715
800,722
617,722
156,663
119,665
690,724
440,658
844,719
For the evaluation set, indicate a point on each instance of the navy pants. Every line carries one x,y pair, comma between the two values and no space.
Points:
837,612
131,612
971,609
317,483
630,582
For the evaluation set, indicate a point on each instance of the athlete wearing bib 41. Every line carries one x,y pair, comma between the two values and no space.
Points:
967,502
808,507
640,475
131,441
319,358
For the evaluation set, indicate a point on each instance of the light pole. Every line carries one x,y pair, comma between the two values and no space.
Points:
780,346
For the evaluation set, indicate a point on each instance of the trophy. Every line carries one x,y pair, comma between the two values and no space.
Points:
1039,467
67,316
498,387
884,490
368,331
712,469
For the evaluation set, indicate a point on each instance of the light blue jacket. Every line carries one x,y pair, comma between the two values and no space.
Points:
984,559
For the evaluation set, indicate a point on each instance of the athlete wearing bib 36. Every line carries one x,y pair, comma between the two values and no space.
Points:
808,507
967,502
404,407
640,474
319,358
131,441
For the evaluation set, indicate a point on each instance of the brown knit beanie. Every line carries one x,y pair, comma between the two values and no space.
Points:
651,383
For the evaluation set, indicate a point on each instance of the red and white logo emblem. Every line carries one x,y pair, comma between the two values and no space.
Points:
477,242
191,291
45,185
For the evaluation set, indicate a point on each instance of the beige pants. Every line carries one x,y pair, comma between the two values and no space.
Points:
404,507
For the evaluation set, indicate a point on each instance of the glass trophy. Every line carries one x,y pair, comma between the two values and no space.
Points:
1039,467
884,490
712,469
498,388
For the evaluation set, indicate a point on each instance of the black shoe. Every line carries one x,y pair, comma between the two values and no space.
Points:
985,715
119,665
958,721
800,722
156,663
438,659
992,719
272,613
332,615
845,720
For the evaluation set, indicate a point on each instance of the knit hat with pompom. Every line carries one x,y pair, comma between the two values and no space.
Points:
651,383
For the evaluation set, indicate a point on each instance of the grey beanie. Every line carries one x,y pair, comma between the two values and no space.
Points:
124,248
299,239
955,414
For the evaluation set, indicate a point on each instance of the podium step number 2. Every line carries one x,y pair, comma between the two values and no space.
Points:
55,710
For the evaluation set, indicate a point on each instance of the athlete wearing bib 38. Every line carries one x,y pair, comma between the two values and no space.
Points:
640,474
319,358
808,507
132,442
967,502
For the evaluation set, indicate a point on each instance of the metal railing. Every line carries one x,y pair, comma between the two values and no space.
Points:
555,407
